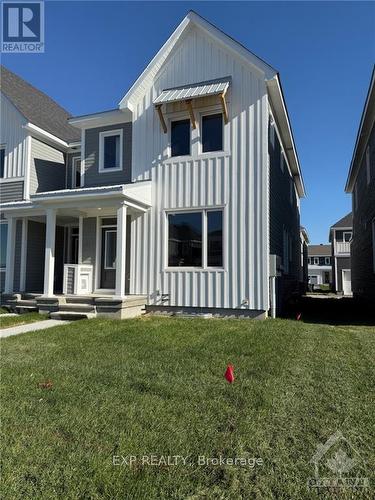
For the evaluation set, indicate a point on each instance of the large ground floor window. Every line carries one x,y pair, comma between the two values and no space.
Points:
195,239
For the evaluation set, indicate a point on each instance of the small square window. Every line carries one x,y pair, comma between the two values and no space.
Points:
212,133
180,138
2,162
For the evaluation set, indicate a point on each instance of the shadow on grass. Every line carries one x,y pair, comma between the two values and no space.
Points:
333,311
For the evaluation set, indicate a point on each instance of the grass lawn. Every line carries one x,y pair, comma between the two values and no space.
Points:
76,395
3,310
20,319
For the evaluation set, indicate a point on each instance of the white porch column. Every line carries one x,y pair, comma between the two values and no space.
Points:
49,261
11,244
121,251
80,238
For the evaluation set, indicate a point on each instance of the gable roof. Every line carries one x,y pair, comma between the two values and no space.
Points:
319,250
37,107
271,76
365,127
346,221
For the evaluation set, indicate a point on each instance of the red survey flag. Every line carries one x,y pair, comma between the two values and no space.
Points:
298,317
229,374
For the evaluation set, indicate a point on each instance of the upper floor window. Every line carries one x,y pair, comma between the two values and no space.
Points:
76,173
2,162
110,151
327,261
180,138
347,236
212,133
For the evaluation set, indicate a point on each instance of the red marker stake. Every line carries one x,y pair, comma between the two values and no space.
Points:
229,375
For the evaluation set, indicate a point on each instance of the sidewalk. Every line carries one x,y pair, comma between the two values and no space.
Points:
31,327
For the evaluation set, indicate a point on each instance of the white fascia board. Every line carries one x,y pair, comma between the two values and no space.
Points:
39,133
112,117
280,114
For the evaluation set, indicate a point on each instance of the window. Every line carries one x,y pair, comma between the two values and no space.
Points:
76,173
110,250
3,250
347,237
212,133
180,138
189,245
110,151
215,239
316,261
368,172
185,239
2,162
328,261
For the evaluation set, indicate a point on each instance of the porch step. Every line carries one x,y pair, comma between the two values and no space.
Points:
77,307
79,300
25,309
27,303
71,316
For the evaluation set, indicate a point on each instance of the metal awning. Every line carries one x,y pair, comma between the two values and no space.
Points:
192,91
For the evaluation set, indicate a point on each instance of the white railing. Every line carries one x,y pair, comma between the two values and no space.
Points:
342,247
77,279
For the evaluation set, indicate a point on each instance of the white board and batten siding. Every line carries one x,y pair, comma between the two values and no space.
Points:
236,179
14,138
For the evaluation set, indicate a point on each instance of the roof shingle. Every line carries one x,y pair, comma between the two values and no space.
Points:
37,107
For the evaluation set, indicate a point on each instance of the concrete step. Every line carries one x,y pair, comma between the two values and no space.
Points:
21,309
79,300
71,316
77,307
29,302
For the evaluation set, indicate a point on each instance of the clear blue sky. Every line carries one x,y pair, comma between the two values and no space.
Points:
324,52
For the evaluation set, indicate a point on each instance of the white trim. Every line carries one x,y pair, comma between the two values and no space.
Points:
101,119
45,135
97,254
342,281
121,251
27,172
80,238
107,231
83,156
102,135
74,167
25,223
12,179
49,265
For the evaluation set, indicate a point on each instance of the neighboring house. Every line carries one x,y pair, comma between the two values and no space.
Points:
186,196
320,265
340,237
361,183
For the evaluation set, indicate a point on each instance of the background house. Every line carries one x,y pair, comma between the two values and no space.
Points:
320,266
361,184
340,237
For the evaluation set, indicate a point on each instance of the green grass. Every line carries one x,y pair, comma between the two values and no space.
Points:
3,310
156,386
20,319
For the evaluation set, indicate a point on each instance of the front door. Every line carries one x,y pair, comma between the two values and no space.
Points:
108,259
347,281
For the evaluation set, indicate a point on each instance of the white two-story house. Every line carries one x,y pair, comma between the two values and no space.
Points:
186,197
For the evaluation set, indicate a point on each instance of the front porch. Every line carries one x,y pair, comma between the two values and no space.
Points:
74,251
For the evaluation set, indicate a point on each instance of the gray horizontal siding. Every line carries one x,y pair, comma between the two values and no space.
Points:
11,191
92,175
47,171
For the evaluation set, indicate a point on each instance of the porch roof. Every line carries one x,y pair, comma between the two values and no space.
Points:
136,195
